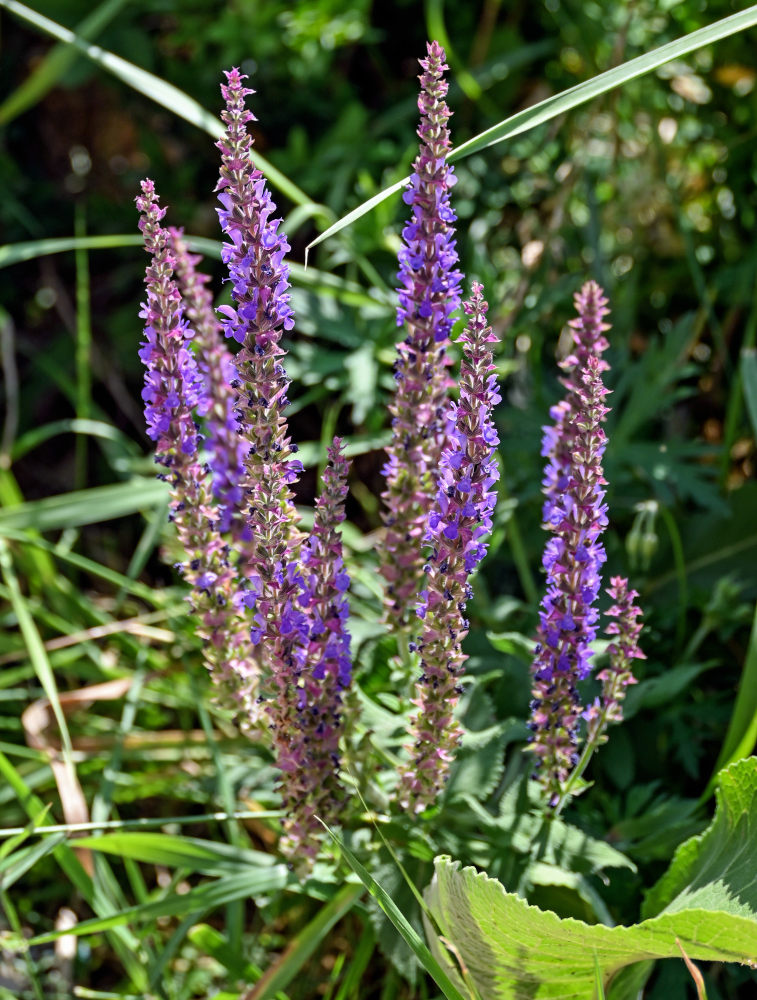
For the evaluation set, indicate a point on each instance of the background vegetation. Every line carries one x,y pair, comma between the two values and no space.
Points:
651,189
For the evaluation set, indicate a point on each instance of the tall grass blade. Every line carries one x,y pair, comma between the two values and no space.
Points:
92,506
49,72
741,736
163,93
407,931
279,975
550,108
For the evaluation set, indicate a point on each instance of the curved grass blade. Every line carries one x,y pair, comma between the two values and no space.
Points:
94,428
281,973
349,292
741,736
550,108
35,648
72,510
163,93
48,73
199,899
407,931
17,253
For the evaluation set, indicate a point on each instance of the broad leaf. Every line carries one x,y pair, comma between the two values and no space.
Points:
512,949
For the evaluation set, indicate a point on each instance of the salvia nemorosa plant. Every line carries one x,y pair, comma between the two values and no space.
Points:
271,599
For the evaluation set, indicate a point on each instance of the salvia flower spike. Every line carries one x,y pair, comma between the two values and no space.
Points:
457,529
429,295
624,630
309,745
217,367
173,389
259,276
576,514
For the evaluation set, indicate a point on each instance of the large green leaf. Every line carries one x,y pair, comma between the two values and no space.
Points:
513,950
550,108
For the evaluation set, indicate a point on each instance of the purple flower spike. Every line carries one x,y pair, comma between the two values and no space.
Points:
457,529
429,294
173,389
218,371
622,651
259,278
576,514
308,739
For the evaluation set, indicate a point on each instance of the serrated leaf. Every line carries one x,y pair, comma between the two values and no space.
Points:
512,949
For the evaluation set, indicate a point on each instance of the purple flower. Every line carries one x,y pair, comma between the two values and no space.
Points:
429,294
457,531
622,651
218,371
576,514
259,278
173,389
309,748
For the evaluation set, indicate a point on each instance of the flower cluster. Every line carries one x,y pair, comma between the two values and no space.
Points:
622,650
576,515
259,277
174,388
429,295
310,756
457,526
217,367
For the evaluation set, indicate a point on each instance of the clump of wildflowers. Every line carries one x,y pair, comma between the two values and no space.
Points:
576,515
174,388
309,754
429,294
457,526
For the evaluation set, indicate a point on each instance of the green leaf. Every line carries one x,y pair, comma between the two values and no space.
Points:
179,852
17,253
512,949
411,936
550,108
163,93
749,382
71,510
741,738
197,900
50,70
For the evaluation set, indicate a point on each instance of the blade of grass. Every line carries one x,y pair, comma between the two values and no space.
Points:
163,93
134,587
83,347
35,647
406,930
550,108
358,964
71,510
55,64
279,975
129,824
200,898
38,435
741,736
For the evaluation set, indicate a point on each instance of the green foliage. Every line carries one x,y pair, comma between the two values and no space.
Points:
706,904
649,187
